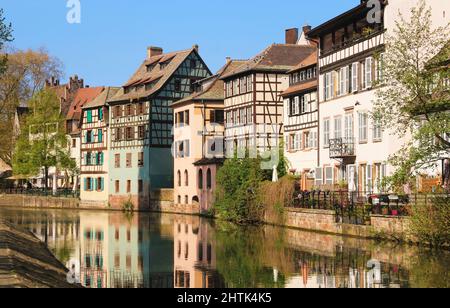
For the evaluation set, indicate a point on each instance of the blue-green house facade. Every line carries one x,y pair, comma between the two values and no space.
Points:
141,120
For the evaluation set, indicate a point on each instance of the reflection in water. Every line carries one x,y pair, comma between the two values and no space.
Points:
111,250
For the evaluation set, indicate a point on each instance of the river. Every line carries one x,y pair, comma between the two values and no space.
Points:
114,250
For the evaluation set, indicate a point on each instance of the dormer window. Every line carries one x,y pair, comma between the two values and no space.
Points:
151,67
163,65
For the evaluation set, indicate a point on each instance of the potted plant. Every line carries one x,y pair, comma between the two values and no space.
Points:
385,210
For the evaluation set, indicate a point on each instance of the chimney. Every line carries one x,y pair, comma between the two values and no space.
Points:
228,59
292,36
153,51
306,29
196,47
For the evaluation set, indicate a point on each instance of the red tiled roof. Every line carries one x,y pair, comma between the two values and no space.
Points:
310,60
277,57
299,88
82,97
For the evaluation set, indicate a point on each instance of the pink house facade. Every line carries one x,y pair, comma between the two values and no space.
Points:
199,142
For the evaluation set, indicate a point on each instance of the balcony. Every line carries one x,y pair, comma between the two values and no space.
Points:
342,148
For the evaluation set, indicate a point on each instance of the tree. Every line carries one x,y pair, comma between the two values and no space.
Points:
5,36
414,99
43,143
25,75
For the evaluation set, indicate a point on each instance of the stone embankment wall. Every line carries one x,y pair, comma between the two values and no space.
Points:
325,221
25,262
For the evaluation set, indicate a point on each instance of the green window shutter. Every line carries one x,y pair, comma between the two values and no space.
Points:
85,184
92,184
89,116
100,135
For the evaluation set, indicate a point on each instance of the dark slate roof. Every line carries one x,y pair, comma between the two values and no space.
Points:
276,58
215,86
142,76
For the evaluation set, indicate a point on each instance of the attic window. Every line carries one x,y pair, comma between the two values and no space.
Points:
163,65
151,67
150,85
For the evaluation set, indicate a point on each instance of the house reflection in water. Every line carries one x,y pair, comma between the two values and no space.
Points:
194,256
118,254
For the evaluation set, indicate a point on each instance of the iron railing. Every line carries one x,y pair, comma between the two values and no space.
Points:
41,192
342,147
358,207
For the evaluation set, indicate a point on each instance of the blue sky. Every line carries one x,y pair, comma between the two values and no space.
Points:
111,41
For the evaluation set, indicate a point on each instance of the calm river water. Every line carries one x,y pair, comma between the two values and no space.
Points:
112,250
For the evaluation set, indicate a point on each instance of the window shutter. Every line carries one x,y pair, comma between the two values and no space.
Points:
355,77
100,114
318,176
369,179
85,184
368,67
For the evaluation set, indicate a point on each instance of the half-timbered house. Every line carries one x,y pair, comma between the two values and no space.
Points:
94,149
199,141
301,120
253,101
141,121
354,149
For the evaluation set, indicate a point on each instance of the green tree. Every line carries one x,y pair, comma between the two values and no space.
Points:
238,183
25,75
5,36
414,99
43,143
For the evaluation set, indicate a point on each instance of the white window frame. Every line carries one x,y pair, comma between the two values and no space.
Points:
337,128
368,72
363,127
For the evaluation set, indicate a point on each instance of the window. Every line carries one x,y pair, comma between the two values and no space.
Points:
186,178
368,69
129,162
100,184
74,143
363,118
140,108
88,159
337,128
130,133
140,186
318,177
200,179
236,87
249,115
326,133
118,111
377,130
329,175
303,107
129,110
186,117
100,135
217,116
141,159
100,114
208,179
89,136
179,178
118,134
88,184
128,186
249,83
100,158
243,84
179,199
348,126
117,160
117,186
141,132
177,85
355,77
